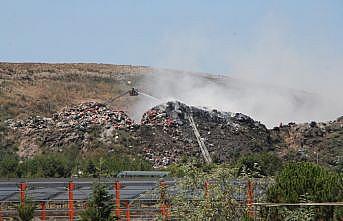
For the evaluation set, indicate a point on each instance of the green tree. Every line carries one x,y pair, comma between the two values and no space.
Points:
317,183
48,165
99,205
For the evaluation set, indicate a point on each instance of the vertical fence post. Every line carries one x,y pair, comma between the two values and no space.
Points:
117,191
22,189
71,187
162,199
128,218
0,214
250,199
43,211
206,188
168,212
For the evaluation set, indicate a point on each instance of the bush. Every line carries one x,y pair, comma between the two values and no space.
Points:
297,181
26,211
259,165
109,166
193,202
99,206
8,165
52,165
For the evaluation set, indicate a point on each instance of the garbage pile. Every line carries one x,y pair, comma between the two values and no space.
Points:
168,135
308,141
172,113
71,125
175,113
164,135
89,114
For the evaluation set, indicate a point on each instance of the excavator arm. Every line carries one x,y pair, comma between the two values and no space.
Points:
132,92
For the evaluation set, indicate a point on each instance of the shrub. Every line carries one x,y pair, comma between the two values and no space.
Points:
99,206
8,165
194,202
317,184
259,165
26,211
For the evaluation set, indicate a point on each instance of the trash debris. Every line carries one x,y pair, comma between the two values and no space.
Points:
71,125
164,135
224,133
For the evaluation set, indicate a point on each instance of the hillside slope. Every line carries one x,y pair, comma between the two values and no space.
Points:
42,89
55,106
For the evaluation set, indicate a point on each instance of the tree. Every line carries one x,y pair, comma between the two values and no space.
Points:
297,181
99,206
207,194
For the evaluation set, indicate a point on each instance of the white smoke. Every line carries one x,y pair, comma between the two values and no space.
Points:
272,79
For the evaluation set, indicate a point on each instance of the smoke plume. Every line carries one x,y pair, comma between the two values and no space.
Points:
272,79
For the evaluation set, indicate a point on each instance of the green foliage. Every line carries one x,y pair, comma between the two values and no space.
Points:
99,206
317,183
302,213
297,179
26,211
259,165
181,169
109,166
49,165
6,144
8,165
68,164
338,211
246,217
194,201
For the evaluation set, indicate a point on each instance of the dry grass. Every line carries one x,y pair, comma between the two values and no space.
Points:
41,89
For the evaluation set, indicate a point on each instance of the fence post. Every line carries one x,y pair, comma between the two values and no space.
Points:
250,199
168,212
43,211
162,199
71,187
117,191
206,188
22,189
128,218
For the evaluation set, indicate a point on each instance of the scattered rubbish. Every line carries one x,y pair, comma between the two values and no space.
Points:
164,136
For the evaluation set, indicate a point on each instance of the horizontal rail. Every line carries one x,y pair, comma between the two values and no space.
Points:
299,204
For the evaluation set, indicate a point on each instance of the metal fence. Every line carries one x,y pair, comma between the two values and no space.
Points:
133,199
63,200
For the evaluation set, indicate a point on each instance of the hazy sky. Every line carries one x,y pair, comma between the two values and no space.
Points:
264,41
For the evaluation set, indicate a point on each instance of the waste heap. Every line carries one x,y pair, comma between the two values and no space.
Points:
315,141
167,136
71,126
164,136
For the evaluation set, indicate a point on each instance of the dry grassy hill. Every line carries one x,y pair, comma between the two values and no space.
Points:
41,89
